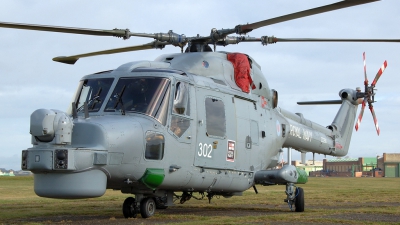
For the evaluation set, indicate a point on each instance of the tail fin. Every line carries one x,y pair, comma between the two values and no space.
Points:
342,125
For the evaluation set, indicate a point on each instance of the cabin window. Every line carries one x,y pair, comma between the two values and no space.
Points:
215,117
154,146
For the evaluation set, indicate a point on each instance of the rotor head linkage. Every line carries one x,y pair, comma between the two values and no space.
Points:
120,33
265,40
171,37
217,35
242,29
229,41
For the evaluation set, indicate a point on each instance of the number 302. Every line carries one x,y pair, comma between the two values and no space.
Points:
205,150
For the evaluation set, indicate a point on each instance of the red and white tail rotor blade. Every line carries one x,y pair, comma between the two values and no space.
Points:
378,75
365,71
371,108
361,113
369,95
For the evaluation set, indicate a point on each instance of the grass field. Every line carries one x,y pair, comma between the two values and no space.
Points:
327,200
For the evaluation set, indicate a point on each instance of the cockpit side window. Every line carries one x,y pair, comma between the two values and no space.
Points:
181,99
180,120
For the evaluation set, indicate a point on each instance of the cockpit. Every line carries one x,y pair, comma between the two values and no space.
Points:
145,95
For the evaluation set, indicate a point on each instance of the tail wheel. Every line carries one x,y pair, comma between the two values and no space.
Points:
129,208
147,207
299,201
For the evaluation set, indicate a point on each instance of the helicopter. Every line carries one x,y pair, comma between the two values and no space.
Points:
190,105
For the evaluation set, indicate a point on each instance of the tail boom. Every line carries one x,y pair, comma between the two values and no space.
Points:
307,136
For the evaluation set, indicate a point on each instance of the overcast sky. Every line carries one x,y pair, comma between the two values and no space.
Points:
300,72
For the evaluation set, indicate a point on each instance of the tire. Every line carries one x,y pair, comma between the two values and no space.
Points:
160,203
147,207
299,201
128,208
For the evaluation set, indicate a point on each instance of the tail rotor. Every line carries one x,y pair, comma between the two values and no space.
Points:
369,95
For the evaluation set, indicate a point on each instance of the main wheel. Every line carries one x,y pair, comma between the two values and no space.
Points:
299,201
128,208
160,202
147,207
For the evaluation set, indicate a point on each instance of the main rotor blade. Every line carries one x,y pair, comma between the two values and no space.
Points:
325,102
72,30
338,5
72,59
275,39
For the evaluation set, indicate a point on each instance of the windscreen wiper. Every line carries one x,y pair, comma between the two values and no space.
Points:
119,100
96,96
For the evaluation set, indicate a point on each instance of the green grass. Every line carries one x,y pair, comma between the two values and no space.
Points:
328,200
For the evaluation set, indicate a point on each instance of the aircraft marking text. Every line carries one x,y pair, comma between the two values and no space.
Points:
300,133
205,150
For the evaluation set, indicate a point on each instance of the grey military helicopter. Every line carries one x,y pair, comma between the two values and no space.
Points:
199,121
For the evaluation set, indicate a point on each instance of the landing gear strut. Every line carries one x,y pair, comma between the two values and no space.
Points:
295,196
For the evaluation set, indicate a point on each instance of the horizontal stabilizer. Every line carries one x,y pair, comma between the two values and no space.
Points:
325,102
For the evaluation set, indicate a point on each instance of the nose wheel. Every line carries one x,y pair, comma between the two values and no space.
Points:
299,200
295,196
146,208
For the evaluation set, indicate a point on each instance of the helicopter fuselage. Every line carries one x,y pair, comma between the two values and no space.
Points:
179,123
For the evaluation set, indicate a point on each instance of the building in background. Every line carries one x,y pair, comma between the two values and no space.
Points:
386,166
4,172
309,166
11,173
390,164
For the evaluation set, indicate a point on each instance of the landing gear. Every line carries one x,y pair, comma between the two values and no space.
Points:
295,196
161,202
299,200
130,208
147,207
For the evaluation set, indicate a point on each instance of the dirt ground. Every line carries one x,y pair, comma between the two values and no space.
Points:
257,210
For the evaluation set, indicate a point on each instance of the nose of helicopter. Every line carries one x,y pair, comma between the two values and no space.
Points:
86,184
103,151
